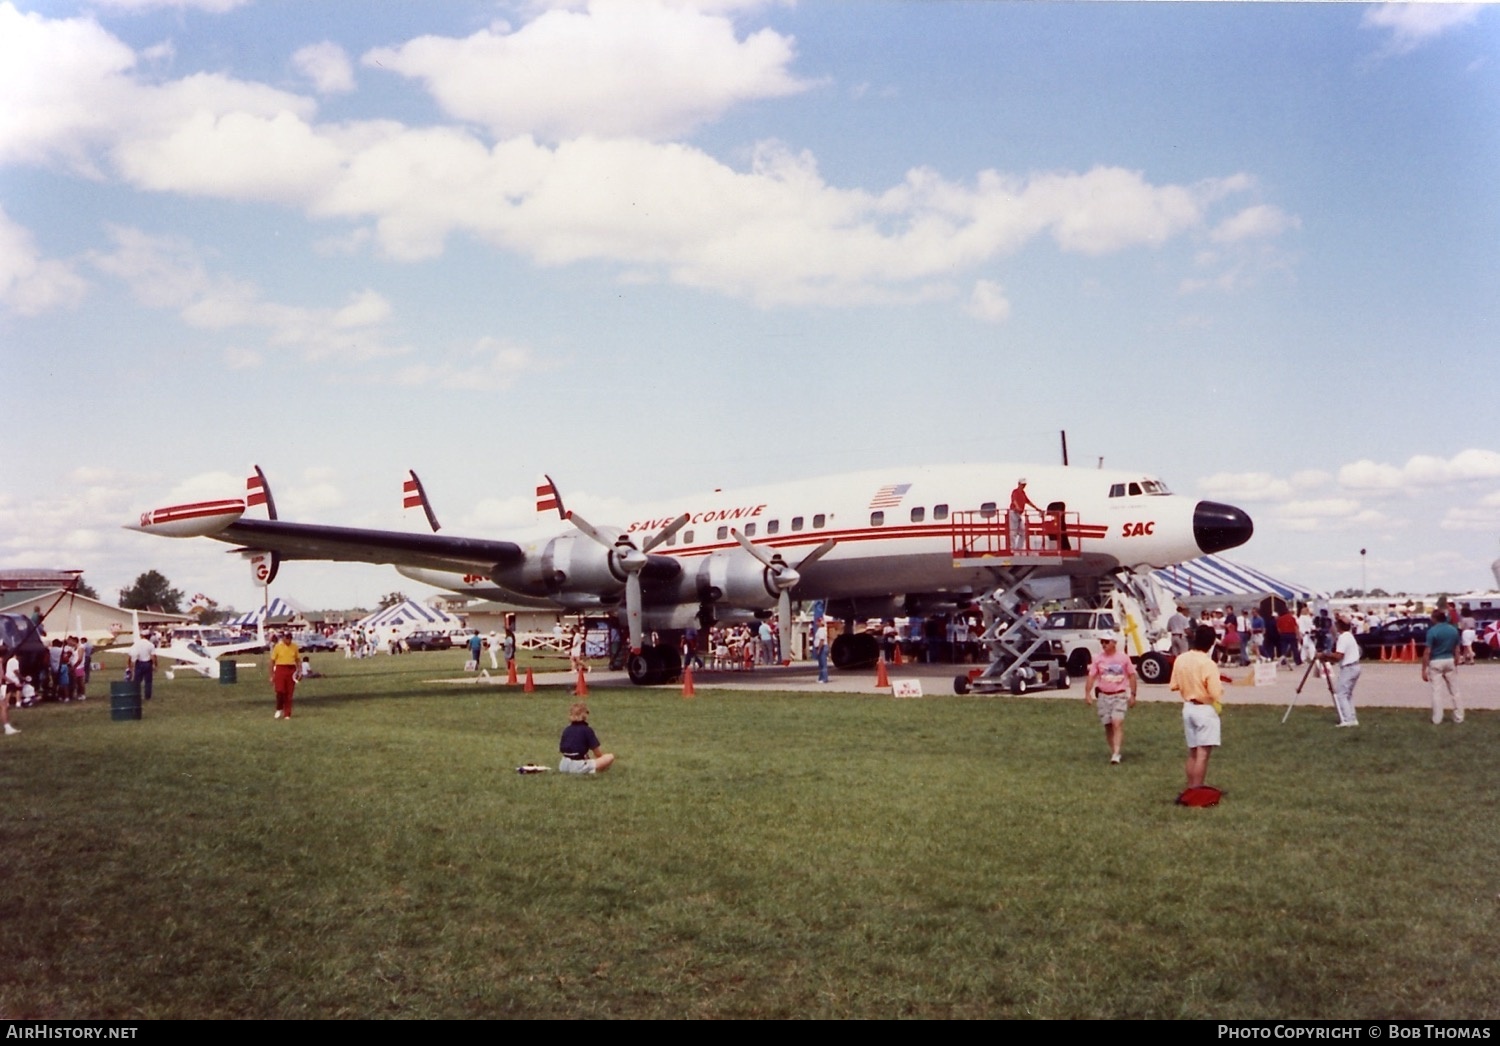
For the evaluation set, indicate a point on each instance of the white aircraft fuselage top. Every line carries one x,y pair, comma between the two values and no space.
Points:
893,531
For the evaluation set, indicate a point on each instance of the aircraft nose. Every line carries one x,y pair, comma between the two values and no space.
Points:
1217,527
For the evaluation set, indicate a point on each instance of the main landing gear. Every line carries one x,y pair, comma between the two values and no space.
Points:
856,650
653,665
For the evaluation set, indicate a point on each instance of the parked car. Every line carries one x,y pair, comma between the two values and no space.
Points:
314,643
1397,632
1078,632
429,641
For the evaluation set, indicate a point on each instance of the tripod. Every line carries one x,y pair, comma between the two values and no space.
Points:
1322,667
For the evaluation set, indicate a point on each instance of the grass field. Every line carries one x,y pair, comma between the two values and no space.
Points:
751,855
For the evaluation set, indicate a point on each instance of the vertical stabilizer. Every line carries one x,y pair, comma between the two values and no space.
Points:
413,495
258,492
548,500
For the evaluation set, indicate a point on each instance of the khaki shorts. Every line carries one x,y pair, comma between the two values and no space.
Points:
1111,707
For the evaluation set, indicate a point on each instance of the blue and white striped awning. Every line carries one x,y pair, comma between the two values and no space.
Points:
411,613
1212,576
277,608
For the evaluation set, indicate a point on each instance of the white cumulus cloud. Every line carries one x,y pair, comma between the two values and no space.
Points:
1257,222
773,231
167,272
327,65
1413,24
1421,470
988,302
619,69
29,283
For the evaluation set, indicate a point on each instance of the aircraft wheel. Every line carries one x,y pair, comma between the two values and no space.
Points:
644,668
1155,668
857,651
1078,662
960,684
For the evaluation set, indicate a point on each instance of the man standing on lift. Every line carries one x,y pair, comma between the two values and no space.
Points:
1019,501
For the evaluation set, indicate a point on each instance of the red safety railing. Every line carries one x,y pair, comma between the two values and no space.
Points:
986,535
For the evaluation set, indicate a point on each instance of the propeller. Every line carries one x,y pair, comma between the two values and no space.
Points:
783,577
631,559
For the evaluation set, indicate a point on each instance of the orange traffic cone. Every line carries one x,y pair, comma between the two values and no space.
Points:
687,682
510,680
581,689
898,653
881,681
530,687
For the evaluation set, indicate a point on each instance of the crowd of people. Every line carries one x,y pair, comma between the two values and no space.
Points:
64,677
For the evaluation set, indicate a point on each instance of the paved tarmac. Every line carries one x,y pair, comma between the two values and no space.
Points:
1381,685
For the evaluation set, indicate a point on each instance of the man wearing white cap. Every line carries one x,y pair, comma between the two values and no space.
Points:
1111,688
1017,516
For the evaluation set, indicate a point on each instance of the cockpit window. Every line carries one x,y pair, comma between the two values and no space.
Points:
1117,490
1135,488
1154,486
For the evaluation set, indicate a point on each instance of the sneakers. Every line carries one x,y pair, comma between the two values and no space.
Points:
277,715
10,730
1114,760
1352,722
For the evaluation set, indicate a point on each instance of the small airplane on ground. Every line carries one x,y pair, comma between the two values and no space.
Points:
879,543
191,654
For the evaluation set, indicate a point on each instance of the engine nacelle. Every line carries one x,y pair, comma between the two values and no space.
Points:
568,563
731,579
195,520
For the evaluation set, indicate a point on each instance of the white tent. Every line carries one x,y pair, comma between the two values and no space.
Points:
410,616
1213,576
278,607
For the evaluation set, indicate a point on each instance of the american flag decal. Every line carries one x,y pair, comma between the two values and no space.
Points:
889,496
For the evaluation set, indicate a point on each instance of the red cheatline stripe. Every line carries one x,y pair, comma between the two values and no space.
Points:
174,513
809,539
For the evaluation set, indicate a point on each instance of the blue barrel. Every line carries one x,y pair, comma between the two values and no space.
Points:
124,700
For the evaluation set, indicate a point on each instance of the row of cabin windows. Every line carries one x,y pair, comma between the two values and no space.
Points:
819,521
773,526
918,515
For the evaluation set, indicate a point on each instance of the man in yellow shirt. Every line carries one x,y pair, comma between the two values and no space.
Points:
286,661
1196,678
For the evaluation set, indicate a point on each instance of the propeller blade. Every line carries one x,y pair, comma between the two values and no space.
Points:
666,532
817,553
755,550
784,622
633,611
588,528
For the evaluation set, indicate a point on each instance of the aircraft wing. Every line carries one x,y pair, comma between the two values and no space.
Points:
353,544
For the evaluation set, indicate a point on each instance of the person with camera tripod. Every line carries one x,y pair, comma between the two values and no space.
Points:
1345,654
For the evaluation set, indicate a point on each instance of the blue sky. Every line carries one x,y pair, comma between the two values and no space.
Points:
651,249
